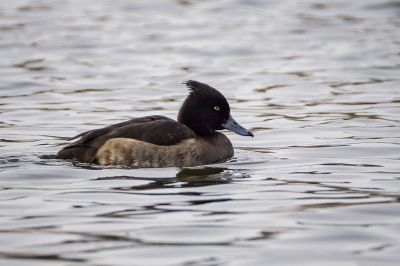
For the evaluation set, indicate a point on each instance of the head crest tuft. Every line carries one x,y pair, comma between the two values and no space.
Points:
196,86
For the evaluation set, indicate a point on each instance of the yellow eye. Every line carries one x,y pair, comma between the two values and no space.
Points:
216,108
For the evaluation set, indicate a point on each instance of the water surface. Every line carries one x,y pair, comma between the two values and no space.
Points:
316,81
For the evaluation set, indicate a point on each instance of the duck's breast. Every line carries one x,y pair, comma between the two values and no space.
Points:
189,152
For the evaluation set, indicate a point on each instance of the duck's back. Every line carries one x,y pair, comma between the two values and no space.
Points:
153,130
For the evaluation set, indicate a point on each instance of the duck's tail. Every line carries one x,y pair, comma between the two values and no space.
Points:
85,154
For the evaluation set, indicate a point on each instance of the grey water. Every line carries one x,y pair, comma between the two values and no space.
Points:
318,83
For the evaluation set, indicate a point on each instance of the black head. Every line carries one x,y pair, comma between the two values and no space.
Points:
206,110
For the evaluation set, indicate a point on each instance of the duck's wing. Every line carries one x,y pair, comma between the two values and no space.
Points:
158,130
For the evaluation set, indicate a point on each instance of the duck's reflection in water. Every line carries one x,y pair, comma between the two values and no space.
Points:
163,188
186,177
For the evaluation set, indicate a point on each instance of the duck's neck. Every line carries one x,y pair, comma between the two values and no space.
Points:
201,128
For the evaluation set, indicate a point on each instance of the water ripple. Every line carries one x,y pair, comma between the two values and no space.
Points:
316,81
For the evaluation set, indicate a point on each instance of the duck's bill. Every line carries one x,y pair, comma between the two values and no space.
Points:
234,126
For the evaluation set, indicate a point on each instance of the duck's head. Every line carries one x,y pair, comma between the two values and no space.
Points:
206,110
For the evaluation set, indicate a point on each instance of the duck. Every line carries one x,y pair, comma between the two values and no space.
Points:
158,141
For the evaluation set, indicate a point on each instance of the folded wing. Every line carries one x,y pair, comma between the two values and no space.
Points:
158,130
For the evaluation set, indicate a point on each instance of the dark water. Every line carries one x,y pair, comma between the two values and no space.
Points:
316,81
